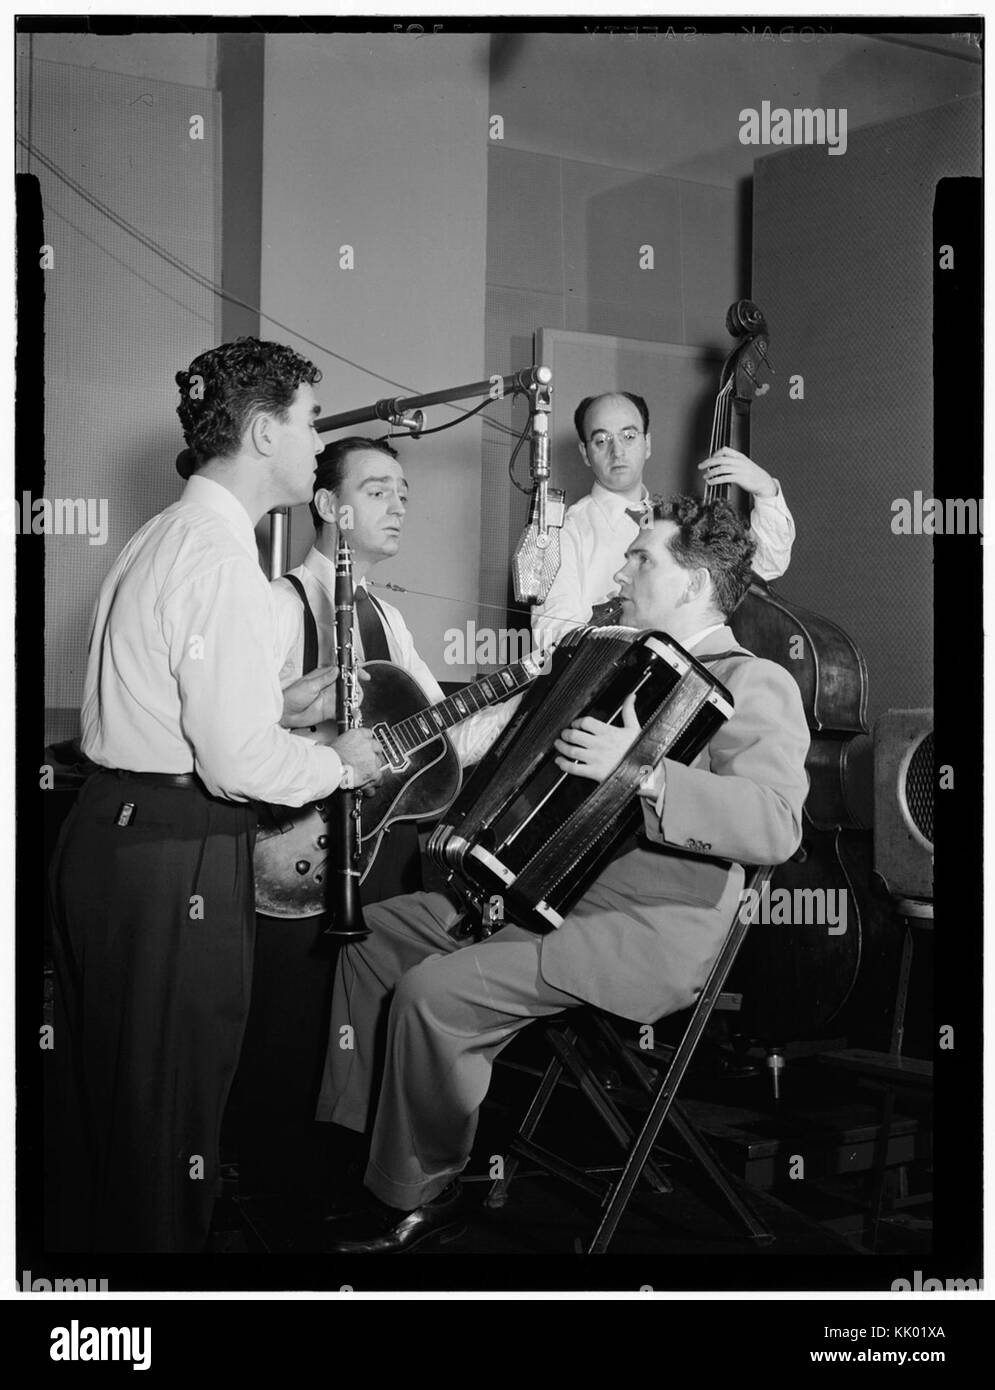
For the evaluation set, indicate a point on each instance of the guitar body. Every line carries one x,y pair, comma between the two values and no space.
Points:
292,843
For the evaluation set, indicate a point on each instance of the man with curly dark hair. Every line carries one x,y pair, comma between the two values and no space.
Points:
152,886
639,942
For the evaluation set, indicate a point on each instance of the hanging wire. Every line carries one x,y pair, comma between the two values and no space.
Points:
437,429
465,602
206,283
514,455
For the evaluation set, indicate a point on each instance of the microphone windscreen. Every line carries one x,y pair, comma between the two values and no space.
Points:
534,567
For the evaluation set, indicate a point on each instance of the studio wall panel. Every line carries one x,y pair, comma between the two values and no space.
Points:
622,243
843,270
525,214
381,145
710,261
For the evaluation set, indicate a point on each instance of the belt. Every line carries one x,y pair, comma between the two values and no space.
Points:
154,779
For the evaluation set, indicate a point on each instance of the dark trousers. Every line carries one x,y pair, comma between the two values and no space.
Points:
152,927
270,1126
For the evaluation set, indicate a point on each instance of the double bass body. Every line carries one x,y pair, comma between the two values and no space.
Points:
796,977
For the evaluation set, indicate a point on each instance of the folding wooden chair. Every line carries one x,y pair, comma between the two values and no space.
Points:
658,1074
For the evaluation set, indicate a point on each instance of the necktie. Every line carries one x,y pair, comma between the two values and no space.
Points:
371,632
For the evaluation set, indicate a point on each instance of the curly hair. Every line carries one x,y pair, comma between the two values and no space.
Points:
330,472
710,536
222,389
588,401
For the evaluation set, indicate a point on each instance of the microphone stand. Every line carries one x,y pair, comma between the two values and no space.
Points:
518,383
536,557
541,395
406,413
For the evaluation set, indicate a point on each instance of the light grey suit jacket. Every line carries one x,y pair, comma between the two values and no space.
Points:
642,939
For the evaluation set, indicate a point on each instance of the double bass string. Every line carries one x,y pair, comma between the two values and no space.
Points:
721,416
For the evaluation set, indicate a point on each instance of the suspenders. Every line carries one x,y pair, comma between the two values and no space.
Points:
310,627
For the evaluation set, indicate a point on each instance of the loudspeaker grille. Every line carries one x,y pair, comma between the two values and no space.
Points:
919,788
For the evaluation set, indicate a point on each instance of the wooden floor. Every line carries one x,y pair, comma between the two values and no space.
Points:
830,1121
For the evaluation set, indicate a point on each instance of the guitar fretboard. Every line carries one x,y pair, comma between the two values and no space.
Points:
418,729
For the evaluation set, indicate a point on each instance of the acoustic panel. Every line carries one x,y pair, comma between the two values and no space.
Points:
678,383
843,270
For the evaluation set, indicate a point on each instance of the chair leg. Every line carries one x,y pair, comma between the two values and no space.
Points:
498,1194
713,1166
564,1044
663,1101
661,1097
560,1168
879,1170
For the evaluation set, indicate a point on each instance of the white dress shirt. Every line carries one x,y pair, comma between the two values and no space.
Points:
471,739
182,673
596,533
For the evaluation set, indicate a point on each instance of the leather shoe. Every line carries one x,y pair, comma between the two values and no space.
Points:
383,1230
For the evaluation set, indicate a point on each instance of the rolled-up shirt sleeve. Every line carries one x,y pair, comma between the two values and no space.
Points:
219,629
773,530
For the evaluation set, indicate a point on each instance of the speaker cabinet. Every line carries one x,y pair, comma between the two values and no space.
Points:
904,787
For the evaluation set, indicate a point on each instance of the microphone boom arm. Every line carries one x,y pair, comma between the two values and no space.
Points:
528,380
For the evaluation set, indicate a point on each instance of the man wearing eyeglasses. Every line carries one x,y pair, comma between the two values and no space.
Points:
614,433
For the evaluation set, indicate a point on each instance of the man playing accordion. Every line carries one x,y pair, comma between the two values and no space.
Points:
639,942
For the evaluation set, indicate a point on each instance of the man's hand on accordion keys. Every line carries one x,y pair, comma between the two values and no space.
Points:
593,749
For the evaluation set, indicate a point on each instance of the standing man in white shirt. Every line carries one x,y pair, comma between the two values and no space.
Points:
152,889
614,435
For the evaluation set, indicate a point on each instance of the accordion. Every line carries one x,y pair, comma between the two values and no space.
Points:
523,839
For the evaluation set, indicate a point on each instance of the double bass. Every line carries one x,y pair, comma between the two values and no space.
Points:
796,978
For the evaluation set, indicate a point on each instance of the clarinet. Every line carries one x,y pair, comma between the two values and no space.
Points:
345,914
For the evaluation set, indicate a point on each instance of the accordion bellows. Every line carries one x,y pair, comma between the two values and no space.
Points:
534,837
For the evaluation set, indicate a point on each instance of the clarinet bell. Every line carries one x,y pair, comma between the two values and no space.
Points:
346,934
346,922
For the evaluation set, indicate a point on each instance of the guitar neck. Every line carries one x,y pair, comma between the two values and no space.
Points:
419,729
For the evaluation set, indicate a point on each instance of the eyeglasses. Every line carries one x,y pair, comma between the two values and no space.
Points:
600,439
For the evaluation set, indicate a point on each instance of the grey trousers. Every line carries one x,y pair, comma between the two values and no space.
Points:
448,1008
